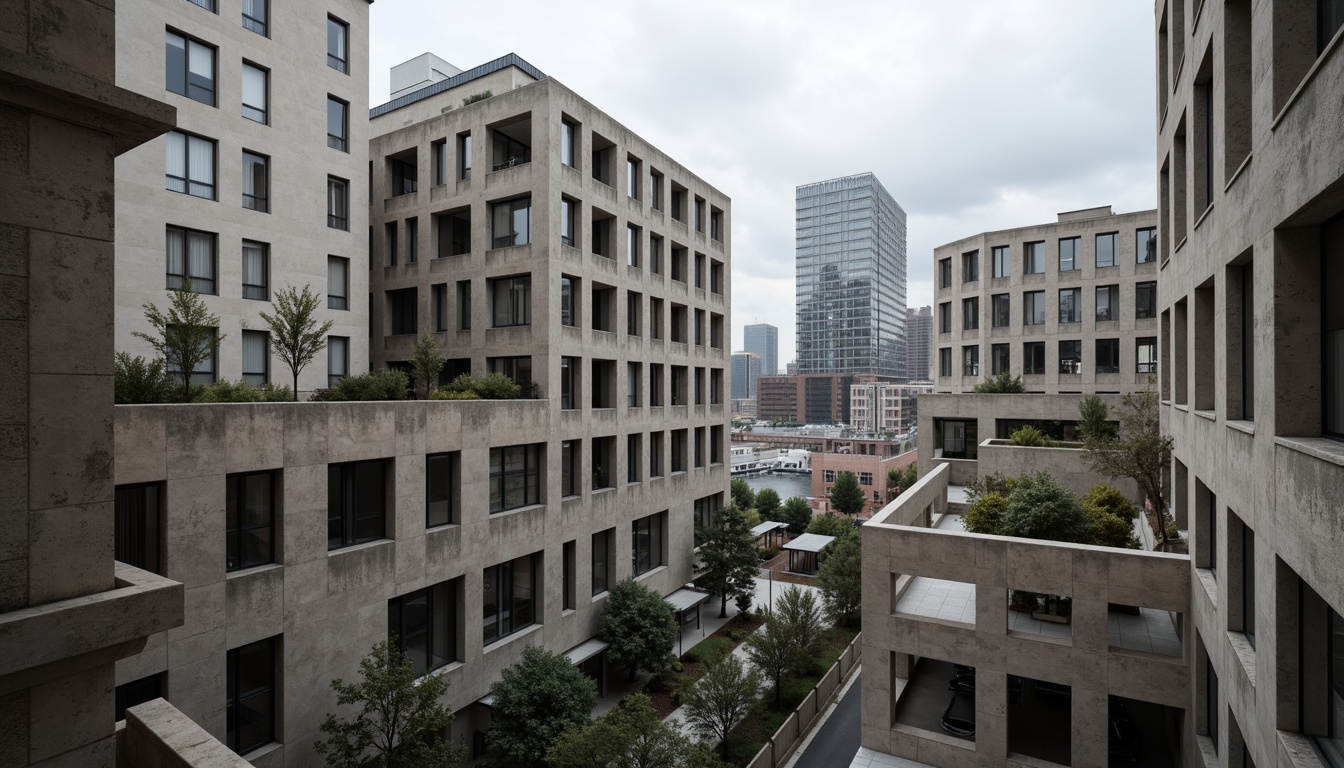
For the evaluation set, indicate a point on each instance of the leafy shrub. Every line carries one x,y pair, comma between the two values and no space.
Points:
830,525
138,381
1004,383
444,394
709,649
382,384
239,392
1028,435
495,386
1041,508
475,97
995,482
986,514
1106,498
1110,530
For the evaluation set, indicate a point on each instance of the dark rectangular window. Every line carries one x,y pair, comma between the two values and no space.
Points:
139,520
511,222
945,273
999,359
137,692
570,568
390,245
655,454
356,502
438,152
404,174
601,561
1145,245
338,359
569,383
189,67
1145,299
515,477
1106,250
463,305
508,600
1108,355
1068,254
647,542
1211,701
970,267
1146,352
634,457
1033,258
464,156
402,308
512,301
568,141
516,367
569,213
1108,302
945,361
421,627
441,484
1001,255
1033,357
1321,674
1071,356
957,438
970,361
256,182
970,314
1330,18
1247,341
250,709
1033,308
250,520
454,233
190,165
338,124
569,300
1070,305
570,456
338,43
1001,310
1332,334
439,293
945,317
338,282
338,203
256,271
1248,584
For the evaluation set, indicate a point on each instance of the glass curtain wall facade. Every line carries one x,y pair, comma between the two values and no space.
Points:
851,278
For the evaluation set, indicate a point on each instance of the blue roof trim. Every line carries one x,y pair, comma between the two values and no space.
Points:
503,62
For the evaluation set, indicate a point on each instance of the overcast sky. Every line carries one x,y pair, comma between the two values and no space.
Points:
974,115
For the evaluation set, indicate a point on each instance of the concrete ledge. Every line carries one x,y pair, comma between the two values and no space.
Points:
159,736
140,605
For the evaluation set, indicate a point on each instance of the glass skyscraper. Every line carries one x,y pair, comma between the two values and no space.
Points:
850,268
762,339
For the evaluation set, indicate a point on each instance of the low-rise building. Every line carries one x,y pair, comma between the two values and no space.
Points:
870,469
885,409
808,398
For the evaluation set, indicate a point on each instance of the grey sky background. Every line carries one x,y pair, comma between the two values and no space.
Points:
976,116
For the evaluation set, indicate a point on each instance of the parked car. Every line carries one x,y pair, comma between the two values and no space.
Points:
959,717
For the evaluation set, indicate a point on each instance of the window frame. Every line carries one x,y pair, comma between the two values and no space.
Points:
1148,287
1145,249
339,61
505,584
147,531
1105,351
1075,244
256,291
338,191
647,536
442,486
341,141
1075,314
499,477
236,531
1002,256
602,561
512,208
256,202
440,613
265,373
345,474
339,301
1114,248
234,698
1033,308
188,182
1111,303
515,311
197,281
188,42
1004,299
333,343
265,110
1029,361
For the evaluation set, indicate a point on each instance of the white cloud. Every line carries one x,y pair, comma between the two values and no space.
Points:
974,115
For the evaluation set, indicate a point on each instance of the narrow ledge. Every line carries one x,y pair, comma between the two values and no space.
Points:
1242,426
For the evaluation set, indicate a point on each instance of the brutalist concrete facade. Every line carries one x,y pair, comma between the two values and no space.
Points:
288,42
1250,170
982,322
68,610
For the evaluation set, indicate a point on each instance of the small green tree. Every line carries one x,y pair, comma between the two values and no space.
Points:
1140,451
830,525
995,482
536,700
185,336
774,652
395,711
903,478
639,627
847,497
137,381
722,698
728,557
743,496
295,335
841,579
1004,383
1112,516
797,513
629,736
1027,435
1093,419
767,503
426,363
798,610
1041,508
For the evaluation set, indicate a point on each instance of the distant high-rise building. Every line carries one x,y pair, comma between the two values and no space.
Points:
746,369
918,339
762,339
850,271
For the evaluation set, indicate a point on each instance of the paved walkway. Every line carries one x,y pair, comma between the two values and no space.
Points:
836,737
766,593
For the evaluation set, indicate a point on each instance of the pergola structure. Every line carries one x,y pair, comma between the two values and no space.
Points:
772,530
804,552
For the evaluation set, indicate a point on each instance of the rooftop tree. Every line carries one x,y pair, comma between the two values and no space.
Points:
295,335
185,336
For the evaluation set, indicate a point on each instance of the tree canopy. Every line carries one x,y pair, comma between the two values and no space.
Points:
536,700
185,336
743,496
1041,508
426,364
639,627
841,579
1004,383
722,698
295,336
395,711
629,736
847,496
767,503
797,513
1140,451
729,558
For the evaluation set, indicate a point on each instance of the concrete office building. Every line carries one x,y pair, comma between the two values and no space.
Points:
850,270
468,529
1070,307
271,101
762,339
1250,167
746,370
876,408
919,340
